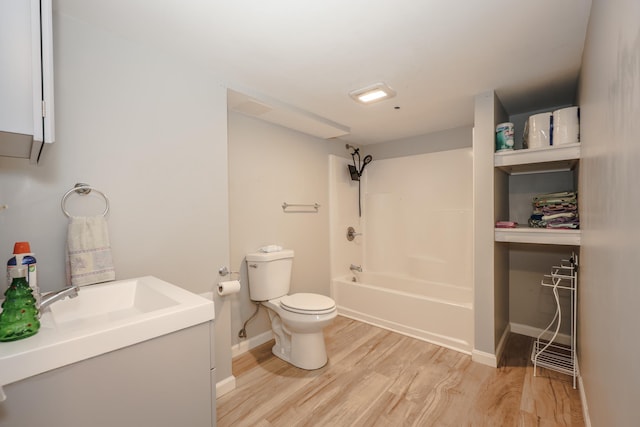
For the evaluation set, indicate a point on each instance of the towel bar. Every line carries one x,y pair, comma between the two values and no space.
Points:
314,206
83,189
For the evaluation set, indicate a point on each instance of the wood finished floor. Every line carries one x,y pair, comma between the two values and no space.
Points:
379,378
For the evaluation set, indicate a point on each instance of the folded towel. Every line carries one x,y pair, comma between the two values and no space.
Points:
506,224
89,251
270,248
559,215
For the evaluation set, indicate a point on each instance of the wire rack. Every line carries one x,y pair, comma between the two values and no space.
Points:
547,352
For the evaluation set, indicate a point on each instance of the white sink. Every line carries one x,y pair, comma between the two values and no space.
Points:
102,318
110,302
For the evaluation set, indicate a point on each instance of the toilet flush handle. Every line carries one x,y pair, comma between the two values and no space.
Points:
253,265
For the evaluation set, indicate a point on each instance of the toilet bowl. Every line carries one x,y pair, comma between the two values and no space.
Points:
299,330
297,320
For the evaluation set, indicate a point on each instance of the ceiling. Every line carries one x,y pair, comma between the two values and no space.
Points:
299,60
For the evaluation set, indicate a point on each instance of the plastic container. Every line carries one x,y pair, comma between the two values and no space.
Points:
22,256
19,317
504,136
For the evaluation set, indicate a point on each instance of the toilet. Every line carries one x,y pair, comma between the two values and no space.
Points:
297,320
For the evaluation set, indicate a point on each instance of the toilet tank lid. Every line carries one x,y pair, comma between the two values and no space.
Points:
269,256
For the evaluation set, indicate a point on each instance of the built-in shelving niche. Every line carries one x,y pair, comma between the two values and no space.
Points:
536,171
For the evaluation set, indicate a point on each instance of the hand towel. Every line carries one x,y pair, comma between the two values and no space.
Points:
89,251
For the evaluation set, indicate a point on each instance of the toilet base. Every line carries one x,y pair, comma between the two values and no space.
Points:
299,339
298,353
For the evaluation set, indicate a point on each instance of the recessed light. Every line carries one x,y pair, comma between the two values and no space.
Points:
372,94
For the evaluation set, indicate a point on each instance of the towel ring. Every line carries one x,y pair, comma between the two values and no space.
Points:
83,189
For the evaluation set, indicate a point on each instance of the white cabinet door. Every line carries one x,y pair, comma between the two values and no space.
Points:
26,77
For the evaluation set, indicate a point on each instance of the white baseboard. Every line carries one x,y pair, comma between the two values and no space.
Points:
484,358
492,359
583,399
532,331
502,343
225,386
248,344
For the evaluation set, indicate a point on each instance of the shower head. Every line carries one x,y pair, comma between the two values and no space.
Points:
367,159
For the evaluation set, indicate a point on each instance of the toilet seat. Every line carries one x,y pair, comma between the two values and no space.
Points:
304,303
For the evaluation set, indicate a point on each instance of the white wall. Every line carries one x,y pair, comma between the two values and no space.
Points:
269,165
610,201
445,140
532,305
147,130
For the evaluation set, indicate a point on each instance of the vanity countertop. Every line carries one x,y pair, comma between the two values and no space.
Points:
102,318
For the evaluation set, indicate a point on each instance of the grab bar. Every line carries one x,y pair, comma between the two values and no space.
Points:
83,189
314,206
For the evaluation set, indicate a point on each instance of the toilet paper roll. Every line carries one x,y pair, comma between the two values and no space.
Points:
228,288
566,126
539,130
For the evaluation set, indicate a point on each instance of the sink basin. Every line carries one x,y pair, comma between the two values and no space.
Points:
102,318
110,302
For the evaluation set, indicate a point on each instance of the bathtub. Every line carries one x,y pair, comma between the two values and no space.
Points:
435,312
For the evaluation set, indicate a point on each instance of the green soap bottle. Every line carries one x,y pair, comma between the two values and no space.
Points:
19,317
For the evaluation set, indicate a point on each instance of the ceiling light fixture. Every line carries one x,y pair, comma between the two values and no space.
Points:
372,94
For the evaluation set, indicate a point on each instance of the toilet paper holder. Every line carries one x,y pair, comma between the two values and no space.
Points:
224,271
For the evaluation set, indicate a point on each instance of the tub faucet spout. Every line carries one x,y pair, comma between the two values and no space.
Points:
355,268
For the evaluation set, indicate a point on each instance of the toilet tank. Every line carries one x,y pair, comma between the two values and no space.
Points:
269,274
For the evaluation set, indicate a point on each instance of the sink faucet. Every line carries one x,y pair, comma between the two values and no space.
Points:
355,268
49,298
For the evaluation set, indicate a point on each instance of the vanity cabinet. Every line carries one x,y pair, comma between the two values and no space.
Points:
26,78
164,381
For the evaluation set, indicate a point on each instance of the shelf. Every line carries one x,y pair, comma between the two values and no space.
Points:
543,236
540,160
556,357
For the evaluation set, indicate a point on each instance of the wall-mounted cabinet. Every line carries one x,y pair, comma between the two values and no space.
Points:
26,78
